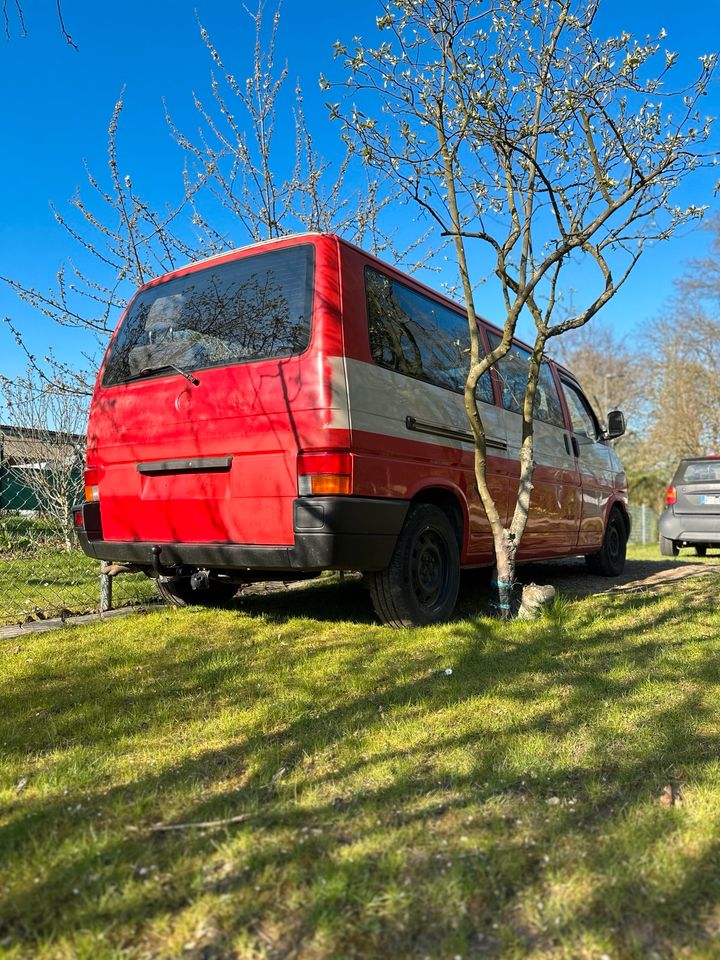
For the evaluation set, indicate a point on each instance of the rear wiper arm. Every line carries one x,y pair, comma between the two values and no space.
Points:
167,366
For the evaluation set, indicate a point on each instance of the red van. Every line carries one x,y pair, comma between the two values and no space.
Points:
297,406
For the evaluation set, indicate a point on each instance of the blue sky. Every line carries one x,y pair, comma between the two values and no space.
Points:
56,104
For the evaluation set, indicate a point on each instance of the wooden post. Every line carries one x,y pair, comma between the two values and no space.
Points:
105,590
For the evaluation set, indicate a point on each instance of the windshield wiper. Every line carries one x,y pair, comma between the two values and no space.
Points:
146,371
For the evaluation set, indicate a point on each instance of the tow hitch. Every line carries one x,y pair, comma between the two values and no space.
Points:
158,566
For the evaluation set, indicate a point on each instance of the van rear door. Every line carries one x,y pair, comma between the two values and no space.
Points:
208,390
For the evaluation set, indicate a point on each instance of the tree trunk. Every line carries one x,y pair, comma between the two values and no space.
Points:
502,585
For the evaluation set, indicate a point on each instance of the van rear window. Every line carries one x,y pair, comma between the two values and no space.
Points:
254,308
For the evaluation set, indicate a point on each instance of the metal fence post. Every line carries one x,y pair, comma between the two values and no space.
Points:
644,523
2,470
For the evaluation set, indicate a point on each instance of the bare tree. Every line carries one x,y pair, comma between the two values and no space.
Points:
683,384
609,371
670,379
241,184
701,277
517,128
15,8
265,171
120,242
613,376
50,446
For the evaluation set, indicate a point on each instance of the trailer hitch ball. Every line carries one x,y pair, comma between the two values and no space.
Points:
158,566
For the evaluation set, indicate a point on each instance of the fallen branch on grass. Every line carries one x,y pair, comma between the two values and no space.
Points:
196,824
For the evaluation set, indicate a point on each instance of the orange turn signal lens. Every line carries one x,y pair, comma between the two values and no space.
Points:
330,483
324,473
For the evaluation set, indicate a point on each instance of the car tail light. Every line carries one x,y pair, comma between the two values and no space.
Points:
324,473
91,484
670,496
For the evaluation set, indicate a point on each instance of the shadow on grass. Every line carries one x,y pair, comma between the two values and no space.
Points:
394,809
328,599
331,600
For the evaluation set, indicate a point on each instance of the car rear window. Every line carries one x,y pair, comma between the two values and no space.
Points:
254,308
698,471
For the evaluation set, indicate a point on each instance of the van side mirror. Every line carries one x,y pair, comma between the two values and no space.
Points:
616,425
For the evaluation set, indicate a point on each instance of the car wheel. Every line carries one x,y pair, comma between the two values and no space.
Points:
420,585
701,549
668,547
609,561
178,592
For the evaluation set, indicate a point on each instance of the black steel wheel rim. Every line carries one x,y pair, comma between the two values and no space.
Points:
429,569
613,543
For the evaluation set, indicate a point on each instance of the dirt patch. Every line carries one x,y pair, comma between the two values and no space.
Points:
572,578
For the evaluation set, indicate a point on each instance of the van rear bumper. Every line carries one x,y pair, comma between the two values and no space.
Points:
331,533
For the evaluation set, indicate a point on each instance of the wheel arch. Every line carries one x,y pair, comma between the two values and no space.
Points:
622,508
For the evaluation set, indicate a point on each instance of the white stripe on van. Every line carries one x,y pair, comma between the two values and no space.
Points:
382,400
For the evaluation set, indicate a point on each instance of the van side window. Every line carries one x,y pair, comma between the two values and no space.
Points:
417,336
513,373
581,416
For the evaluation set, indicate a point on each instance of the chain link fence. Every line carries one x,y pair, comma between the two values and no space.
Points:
645,523
43,572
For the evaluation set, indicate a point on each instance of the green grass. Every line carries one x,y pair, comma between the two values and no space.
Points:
476,789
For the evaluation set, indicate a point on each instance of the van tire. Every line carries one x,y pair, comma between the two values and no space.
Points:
668,547
609,561
179,593
420,586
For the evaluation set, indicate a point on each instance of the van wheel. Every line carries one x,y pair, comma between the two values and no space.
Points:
420,586
668,547
609,561
179,593
701,550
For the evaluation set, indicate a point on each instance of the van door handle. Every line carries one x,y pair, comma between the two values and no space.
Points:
571,441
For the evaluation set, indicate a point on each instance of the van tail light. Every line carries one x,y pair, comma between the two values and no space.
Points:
324,473
91,484
670,496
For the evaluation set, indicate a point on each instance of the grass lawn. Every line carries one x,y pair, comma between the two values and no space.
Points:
544,789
